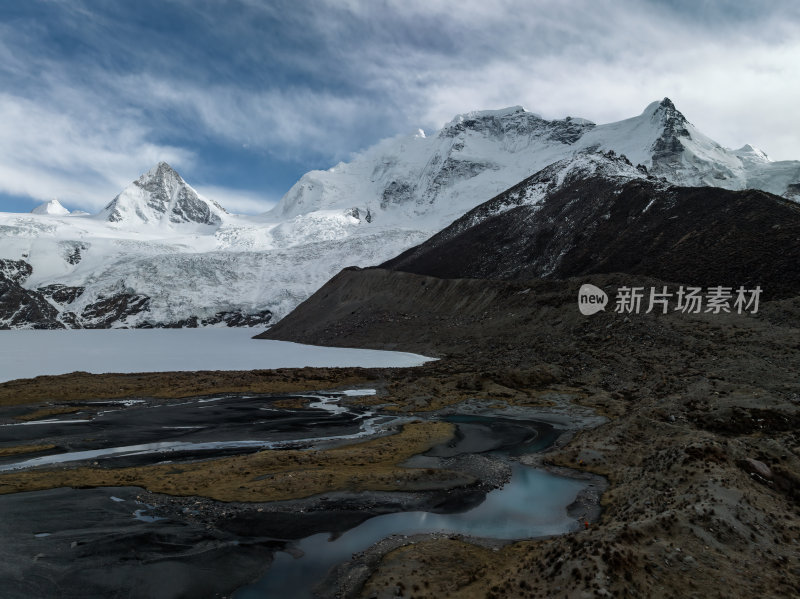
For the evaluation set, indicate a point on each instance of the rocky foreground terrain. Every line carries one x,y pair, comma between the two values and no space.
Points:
701,449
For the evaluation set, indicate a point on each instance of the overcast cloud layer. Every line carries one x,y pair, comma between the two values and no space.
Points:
244,96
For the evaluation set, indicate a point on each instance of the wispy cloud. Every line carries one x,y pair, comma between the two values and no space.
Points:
51,151
95,93
238,201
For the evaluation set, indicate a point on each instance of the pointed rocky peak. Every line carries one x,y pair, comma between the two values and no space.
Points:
53,208
160,174
162,196
666,115
667,105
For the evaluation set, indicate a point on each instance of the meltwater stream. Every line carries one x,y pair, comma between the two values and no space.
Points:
531,504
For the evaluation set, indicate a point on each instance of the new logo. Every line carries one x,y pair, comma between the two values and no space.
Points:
591,299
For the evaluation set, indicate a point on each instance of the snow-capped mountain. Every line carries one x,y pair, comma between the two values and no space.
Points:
52,207
597,213
480,154
670,146
161,196
431,180
159,254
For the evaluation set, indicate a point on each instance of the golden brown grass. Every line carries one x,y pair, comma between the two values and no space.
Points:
20,449
82,386
273,474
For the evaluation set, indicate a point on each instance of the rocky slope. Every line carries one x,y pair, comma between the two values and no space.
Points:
701,448
598,214
20,306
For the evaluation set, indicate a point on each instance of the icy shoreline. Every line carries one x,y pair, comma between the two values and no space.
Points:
31,353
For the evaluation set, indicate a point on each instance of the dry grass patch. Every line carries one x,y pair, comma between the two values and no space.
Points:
273,474
82,386
22,449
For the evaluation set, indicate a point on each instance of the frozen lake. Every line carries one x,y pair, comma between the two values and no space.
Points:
26,354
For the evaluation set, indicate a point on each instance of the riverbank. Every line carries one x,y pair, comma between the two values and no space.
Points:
700,449
358,457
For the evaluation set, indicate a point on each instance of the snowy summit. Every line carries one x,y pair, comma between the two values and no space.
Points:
162,196
53,207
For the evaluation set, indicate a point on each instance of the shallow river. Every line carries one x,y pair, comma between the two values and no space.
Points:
532,504
83,532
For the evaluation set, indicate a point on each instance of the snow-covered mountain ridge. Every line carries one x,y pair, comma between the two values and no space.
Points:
160,254
485,152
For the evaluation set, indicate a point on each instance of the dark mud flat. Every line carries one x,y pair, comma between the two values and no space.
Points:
127,542
104,543
132,434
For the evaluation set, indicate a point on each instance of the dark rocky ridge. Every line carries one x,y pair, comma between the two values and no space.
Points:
20,307
598,224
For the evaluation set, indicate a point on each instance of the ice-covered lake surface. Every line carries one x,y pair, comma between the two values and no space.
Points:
27,353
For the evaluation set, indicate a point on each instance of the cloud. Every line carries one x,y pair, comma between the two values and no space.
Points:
94,94
296,122
51,151
238,201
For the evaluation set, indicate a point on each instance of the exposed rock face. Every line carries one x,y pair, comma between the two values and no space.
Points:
73,251
517,126
601,224
161,195
20,307
231,319
17,271
113,310
61,294
668,147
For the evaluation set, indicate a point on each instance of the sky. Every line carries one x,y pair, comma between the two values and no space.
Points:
244,96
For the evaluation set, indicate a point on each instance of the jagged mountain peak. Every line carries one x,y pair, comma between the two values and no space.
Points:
162,171
162,196
752,154
667,105
481,153
663,108
671,119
